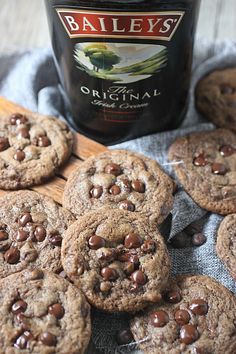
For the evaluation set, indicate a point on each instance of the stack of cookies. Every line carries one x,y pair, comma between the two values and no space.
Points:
103,247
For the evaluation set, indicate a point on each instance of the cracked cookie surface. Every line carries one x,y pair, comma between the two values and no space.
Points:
117,258
42,313
31,231
196,316
205,164
226,243
32,147
120,179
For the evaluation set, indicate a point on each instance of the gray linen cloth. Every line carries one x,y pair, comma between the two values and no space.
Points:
30,79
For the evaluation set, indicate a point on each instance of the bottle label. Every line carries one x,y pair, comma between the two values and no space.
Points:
153,26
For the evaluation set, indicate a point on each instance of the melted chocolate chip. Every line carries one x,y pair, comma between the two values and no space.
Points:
18,307
12,255
48,339
188,334
109,273
226,90
129,268
227,150
40,233
43,141
106,254
139,277
21,235
200,160
35,274
95,242
138,186
55,240
56,310
173,297
96,192
21,320
80,270
198,239
115,190
22,342
23,133
124,337
17,119
3,235
24,219
149,246
19,155
133,240
199,307
113,169
4,143
218,168
126,205
126,185
182,317
159,318
105,286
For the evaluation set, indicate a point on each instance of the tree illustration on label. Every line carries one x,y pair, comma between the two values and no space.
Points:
101,57
120,62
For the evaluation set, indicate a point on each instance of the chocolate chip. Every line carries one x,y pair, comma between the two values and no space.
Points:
80,270
55,240
124,337
227,150
23,341
226,90
19,306
182,317
35,274
12,255
159,318
18,118
218,168
23,133
3,235
126,185
48,339
200,160
115,190
109,273
198,239
21,235
138,186
105,286
24,219
56,310
139,277
129,268
40,233
21,320
149,246
95,242
43,141
19,155
96,192
113,169
188,334
4,143
133,240
173,297
199,307
126,205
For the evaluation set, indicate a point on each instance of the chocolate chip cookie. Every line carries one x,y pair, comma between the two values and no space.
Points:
42,313
32,147
226,243
117,258
120,179
197,316
31,231
216,98
205,164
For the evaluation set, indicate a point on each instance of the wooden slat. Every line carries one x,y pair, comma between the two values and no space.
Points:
85,147
70,167
53,189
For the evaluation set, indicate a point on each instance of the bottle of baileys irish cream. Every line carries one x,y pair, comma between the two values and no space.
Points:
124,65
